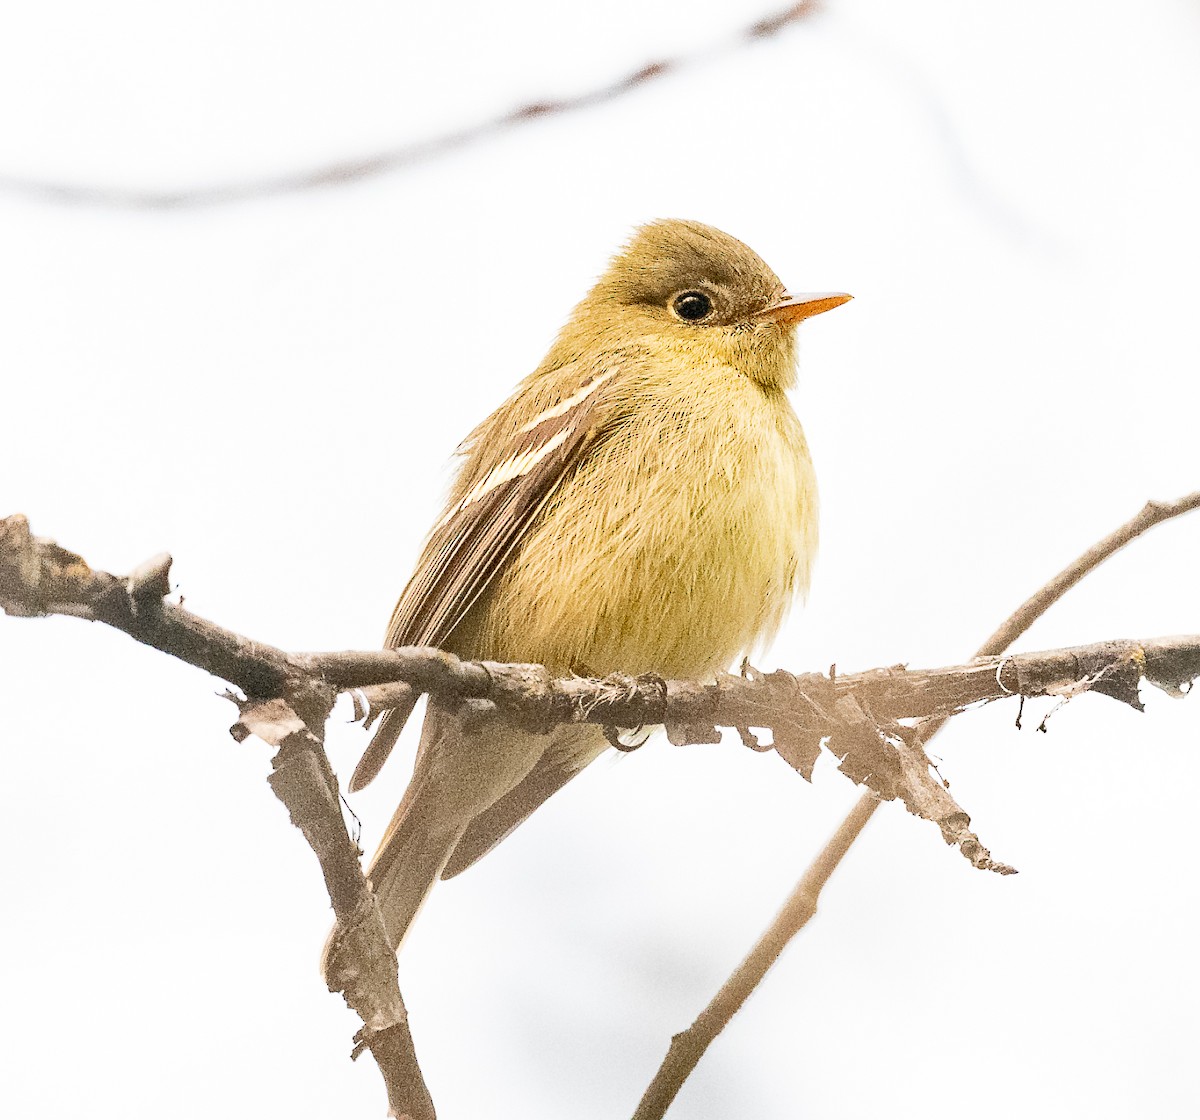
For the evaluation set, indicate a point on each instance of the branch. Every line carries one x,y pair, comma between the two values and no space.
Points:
531,697
304,781
688,1047
856,717
288,709
406,155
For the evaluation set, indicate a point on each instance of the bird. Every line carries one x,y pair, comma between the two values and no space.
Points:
644,502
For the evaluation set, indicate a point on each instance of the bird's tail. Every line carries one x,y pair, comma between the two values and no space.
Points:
568,751
416,848
408,865
463,764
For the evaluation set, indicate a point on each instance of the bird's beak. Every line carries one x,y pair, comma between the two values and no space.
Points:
791,309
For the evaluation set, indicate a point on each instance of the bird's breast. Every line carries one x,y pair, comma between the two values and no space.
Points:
677,544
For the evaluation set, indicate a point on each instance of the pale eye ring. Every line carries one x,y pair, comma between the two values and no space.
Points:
692,306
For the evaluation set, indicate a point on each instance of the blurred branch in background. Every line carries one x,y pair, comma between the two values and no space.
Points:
856,717
406,155
689,1046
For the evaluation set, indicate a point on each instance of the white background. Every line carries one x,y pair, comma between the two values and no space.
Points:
270,390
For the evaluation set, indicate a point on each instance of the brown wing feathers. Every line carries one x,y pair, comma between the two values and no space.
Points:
480,531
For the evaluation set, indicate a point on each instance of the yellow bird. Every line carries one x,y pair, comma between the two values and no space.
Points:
644,502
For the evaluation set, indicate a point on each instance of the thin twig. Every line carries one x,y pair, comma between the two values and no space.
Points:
1151,514
406,155
689,1045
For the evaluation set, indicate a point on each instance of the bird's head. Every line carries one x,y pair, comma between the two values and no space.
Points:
698,290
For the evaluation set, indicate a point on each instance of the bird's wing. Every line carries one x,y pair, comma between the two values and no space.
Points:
478,533
482,527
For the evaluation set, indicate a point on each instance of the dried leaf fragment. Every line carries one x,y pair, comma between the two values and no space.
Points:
798,746
890,759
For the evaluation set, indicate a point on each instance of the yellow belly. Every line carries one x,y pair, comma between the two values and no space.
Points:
678,544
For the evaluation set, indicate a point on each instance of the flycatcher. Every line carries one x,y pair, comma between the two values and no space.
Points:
644,502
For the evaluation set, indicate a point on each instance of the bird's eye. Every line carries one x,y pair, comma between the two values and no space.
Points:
691,306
